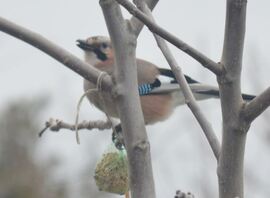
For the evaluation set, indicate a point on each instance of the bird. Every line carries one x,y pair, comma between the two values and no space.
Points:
158,98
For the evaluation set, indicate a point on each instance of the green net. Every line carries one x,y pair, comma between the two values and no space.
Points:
111,173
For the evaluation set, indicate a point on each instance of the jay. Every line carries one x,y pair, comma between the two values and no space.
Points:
158,99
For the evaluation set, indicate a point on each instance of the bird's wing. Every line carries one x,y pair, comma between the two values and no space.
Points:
198,88
200,91
169,73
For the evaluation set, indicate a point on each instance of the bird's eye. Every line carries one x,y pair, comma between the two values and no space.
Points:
104,45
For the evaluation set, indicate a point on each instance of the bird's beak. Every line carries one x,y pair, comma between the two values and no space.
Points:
84,45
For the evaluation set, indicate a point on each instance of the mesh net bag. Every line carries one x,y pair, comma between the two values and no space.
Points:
111,173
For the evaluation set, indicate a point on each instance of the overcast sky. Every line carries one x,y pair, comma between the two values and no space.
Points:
27,72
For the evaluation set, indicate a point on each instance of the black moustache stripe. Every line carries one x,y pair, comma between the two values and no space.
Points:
102,56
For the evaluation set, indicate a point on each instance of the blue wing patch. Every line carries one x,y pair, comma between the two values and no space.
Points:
146,88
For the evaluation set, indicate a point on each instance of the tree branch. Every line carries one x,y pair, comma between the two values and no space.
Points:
72,62
201,58
56,125
128,102
257,106
231,160
189,98
136,24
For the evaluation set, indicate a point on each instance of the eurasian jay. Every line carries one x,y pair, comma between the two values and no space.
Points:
158,99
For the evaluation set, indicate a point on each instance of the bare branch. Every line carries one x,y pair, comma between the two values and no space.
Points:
231,160
128,102
257,106
201,58
56,125
136,24
190,100
72,62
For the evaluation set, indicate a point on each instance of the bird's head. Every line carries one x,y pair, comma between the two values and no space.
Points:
97,49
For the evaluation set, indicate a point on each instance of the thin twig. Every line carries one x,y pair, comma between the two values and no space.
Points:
192,104
201,58
56,125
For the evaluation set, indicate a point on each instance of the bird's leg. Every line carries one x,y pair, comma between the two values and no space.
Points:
117,137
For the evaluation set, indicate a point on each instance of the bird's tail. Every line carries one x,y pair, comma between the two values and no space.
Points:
246,97
200,92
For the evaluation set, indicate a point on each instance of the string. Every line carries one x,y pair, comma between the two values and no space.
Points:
97,88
